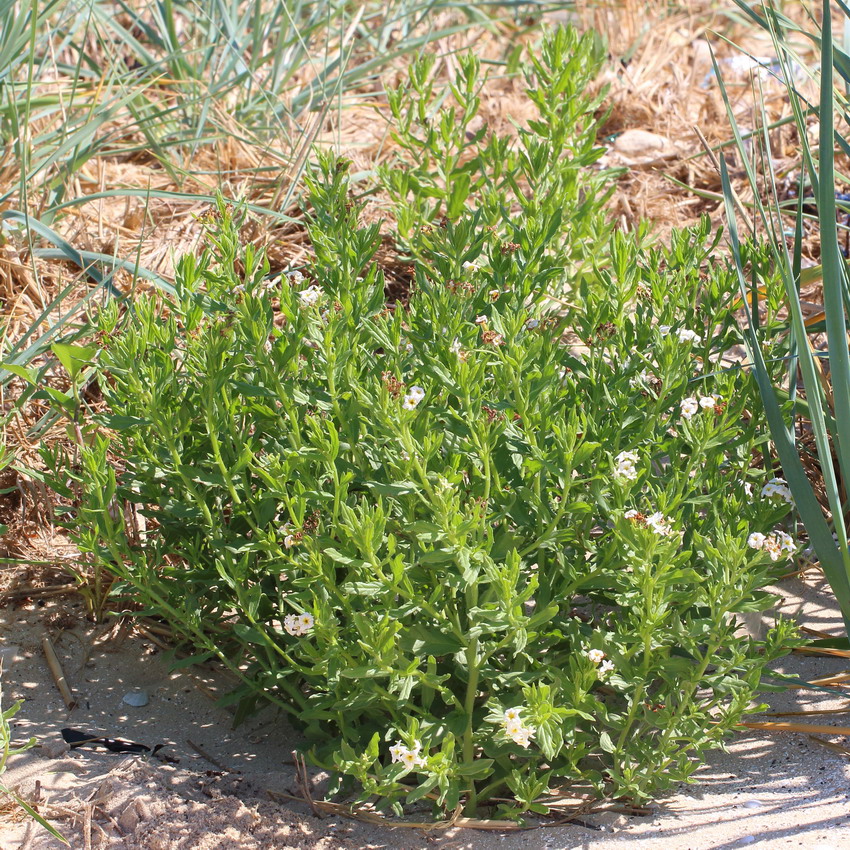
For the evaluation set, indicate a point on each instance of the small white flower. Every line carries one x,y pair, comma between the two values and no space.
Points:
605,668
748,488
707,402
411,759
531,324
756,540
522,735
625,467
777,487
512,715
298,625
631,514
310,296
659,524
785,541
455,347
295,277
513,726
480,320
686,335
689,407
408,756
596,656
290,540
412,398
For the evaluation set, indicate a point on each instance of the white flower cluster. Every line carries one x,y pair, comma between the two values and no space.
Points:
298,625
692,405
597,657
310,296
515,729
686,335
531,324
625,467
657,522
409,756
412,398
660,524
774,543
777,487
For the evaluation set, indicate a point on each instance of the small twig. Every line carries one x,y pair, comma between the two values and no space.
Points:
822,650
798,727
830,746
33,592
57,673
204,754
303,779
844,710
152,638
374,818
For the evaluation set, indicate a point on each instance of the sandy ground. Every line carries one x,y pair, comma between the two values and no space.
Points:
767,791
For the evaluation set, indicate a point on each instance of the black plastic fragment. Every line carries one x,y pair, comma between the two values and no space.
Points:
76,738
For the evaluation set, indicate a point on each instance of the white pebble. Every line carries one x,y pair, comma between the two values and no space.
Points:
136,698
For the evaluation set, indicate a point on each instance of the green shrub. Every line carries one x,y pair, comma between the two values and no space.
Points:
482,545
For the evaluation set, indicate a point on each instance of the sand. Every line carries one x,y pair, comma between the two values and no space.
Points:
768,790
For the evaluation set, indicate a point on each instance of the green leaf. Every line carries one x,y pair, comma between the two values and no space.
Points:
74,357
36,816
29,375
421,639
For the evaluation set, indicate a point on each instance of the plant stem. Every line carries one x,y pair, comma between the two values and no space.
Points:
472,666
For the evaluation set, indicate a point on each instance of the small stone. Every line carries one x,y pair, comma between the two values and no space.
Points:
53,749
747,839
752,804
129,819
136,698
641,144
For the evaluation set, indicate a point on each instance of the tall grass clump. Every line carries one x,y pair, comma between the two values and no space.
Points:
806,399
487,546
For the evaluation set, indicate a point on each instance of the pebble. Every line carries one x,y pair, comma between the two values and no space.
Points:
641,143
136,698
752,804
747,839
53,749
